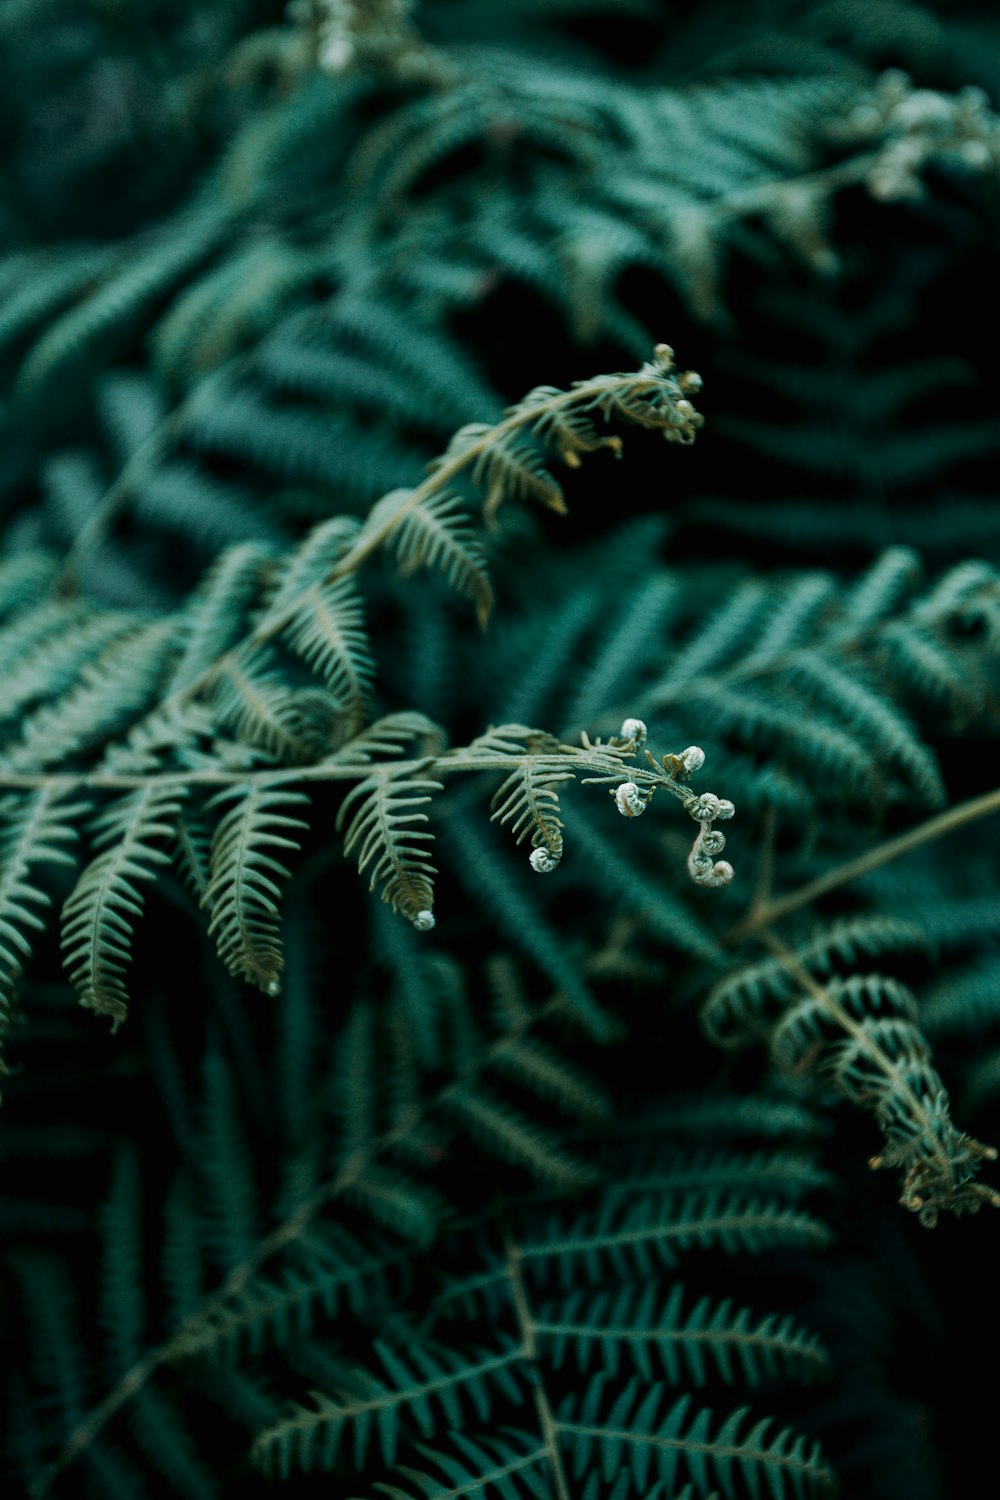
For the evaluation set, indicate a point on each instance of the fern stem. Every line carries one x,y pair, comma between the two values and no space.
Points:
761,916
528,1329
753,200
581,759
94,1423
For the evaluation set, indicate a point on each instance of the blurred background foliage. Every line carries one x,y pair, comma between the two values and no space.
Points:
256,266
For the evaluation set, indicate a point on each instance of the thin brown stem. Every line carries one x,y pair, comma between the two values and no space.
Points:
763,916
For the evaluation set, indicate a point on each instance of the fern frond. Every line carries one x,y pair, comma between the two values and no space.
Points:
36,830
744,1004
860,1034
647,1438
59,661
922,660
215,616
516,1463
327,631
181,499
255,701
117,684
54,281
432,532
509,466
228,306
396,1201
334,1272
390,735
379,356
101,320
529,1060
380,827
527,799
874,719
636,1238
497,1128
646,1328
964,1002
171,735
758,1172
415,1388
228,416
243,889
25,576
99,914
311,563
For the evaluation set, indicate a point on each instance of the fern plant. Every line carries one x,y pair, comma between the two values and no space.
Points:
239,709
413,1173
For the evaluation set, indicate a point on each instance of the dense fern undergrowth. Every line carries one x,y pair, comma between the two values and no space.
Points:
515,799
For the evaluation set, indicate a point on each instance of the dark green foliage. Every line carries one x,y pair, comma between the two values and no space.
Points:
319,561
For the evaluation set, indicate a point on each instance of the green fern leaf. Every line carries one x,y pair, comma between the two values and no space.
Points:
648,1439
215,615
432,532
391,735
516,1464
527,799
36,830
256,702
99,914
335,1272
497,1128
115,687
643,1327
637,1238
423,1385
327,631
43,651
107,316
381,830
243,890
